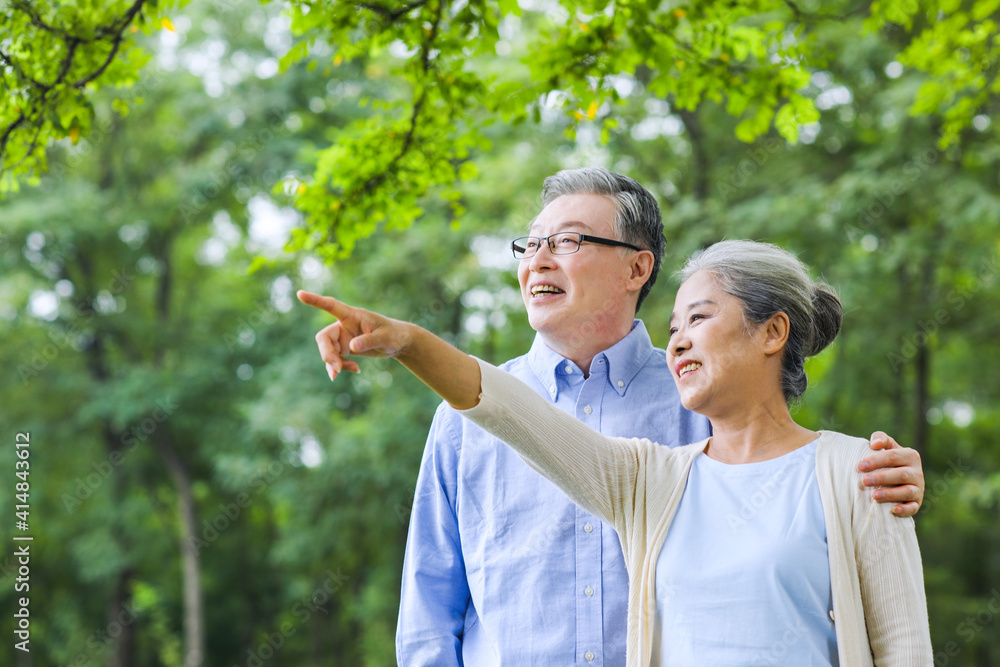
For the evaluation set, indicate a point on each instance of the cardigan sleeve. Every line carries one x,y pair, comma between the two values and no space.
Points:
892,583
599,473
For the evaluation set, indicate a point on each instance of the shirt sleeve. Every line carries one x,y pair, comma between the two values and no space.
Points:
892,584
599,473
435,593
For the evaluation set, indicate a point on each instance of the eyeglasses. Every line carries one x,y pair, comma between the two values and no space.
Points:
563,243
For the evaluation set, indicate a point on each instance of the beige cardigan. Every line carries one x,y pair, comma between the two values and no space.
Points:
879,606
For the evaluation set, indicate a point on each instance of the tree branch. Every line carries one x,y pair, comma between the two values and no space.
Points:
418,105
390,14
426,65
31,148
36,20
80,83
122,23
67,63
5,59
10,129
115,44
115,31
816,16
101,33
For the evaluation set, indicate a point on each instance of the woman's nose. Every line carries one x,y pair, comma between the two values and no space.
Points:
678,343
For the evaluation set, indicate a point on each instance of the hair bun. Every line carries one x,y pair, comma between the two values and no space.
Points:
826,319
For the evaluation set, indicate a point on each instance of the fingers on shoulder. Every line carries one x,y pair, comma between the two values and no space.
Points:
906,510
896,458
882,440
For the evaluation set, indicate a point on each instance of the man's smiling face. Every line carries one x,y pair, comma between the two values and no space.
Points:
573,297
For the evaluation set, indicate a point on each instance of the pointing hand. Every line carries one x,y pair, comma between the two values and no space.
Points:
356,332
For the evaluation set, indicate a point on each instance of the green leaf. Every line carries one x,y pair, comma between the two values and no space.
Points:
295,54
745,131
786,124
983,9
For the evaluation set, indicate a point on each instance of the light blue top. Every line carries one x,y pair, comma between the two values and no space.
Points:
501,568
747,550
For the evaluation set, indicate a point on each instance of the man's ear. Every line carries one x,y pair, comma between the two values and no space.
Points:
641,264
776,330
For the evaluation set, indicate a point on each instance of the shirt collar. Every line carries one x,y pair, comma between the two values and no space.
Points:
626,358
623,360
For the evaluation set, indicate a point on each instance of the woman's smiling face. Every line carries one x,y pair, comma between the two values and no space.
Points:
716,359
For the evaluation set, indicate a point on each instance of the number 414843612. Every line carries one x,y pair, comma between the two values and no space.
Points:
22,443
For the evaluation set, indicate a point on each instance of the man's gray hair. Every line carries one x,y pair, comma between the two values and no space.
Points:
637,220
767,280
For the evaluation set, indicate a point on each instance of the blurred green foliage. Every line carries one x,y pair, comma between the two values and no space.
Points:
197,484
460,65
53,57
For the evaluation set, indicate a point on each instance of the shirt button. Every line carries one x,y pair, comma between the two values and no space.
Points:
587,409
620,384
552,389
588,591
587,528
569,369
831,616
589,655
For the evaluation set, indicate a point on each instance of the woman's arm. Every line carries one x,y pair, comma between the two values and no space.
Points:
892,584
599,473
606,476
451,373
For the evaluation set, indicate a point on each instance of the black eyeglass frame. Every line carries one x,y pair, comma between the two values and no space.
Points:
552,247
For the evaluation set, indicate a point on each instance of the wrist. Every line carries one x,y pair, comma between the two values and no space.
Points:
409,342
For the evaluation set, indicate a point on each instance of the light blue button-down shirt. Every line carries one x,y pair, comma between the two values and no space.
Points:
501,568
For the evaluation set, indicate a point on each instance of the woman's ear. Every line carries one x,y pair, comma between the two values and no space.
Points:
776,330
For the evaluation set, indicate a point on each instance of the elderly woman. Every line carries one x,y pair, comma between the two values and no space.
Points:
757,546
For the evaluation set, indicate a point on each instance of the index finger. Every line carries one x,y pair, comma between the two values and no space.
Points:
328,303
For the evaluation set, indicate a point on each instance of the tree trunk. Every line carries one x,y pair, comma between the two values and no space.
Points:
194,621
921,397
921,362
699,153
194,625
119,615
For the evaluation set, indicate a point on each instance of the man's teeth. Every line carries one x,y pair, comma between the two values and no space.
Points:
541,289
693,366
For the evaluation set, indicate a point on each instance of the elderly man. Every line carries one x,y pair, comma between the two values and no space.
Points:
501,568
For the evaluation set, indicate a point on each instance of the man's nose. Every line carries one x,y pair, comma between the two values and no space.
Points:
543,257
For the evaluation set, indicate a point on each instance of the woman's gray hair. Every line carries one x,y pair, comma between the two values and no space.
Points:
637,217
767,280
